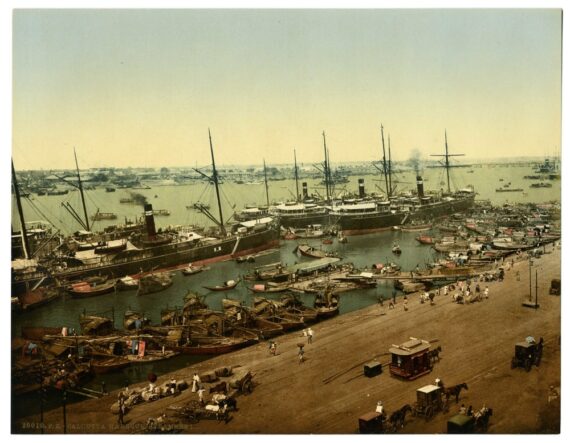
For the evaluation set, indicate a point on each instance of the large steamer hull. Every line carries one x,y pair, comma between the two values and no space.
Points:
169,256
302,221
441,209
368,223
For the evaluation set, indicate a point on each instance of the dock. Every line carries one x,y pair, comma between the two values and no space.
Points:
477,343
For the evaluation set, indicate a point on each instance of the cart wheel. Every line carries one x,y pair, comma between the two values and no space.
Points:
527,365
429,412
247,387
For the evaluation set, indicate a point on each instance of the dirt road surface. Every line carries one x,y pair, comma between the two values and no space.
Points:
328,392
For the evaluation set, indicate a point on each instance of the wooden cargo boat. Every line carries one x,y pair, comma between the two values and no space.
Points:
425,239
191,269
38,297
134,320
326,304
230,284
127,283
287,321
262,328
85,289
107,365
218,345
416,228
266,289
309,251
151,283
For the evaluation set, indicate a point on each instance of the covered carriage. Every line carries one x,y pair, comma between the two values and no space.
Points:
411,359
429,400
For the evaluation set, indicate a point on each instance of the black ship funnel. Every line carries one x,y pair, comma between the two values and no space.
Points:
361,193
305,191
420,184
149,220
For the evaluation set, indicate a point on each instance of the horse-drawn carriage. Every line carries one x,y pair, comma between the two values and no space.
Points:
413,358
371,423
242,381
527,353
555,287
429,400
193,412
469,424
376,423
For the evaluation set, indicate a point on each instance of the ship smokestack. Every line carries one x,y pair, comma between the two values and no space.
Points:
420,184
361,193
305,191
149,220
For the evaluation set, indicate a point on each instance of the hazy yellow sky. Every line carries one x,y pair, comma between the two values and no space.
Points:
142,87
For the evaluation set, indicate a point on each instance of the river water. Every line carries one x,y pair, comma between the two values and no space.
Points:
485,180
362,251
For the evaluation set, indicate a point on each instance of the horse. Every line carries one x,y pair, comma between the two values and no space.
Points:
434,353
398,417
454,390
482,417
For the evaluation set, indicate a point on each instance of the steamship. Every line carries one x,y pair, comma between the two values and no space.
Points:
152,250
362,217
145,252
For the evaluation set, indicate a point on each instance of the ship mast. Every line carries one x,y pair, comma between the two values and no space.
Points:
266,187
25,242
385,166
446,165
326,165
81,191
296,176
390,166
215,178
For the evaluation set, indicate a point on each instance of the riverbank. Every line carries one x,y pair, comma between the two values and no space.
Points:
477,343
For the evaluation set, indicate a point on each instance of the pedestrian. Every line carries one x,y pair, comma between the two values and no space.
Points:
195,382
201,391
463,409
486,291
273,348
445,290
301,354
518,276
380,409
394,296
405,303
310,336
122,409
172,386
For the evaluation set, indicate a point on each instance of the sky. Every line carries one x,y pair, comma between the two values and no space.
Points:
142,87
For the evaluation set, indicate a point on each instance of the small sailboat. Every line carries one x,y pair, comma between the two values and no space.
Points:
396,249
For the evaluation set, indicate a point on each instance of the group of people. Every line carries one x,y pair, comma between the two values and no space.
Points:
301,354
466,295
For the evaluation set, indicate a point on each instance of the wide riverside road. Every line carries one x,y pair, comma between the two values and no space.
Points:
477,343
